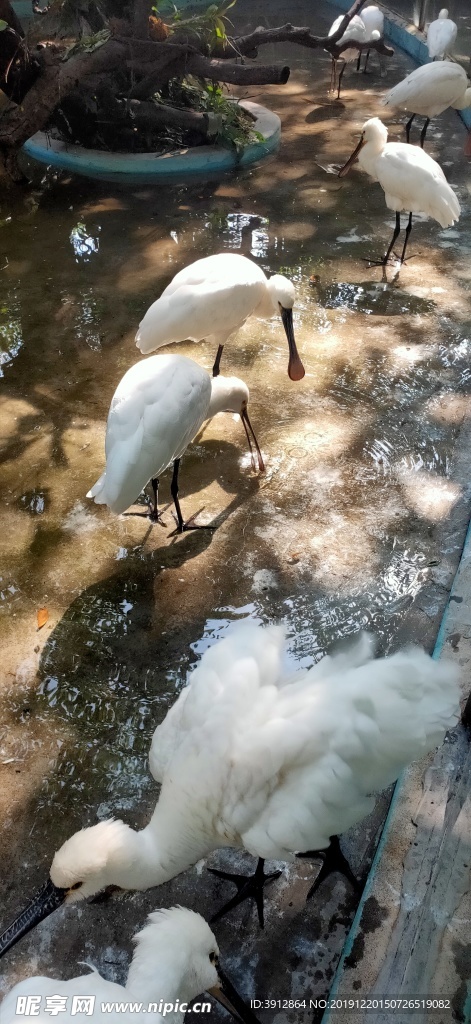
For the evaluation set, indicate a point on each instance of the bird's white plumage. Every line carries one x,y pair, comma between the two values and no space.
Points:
441,35
156,410
430,89
373,20
211,299
411,179
170,962
250,757
355,30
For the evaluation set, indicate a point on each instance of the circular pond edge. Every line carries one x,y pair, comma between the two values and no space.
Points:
149,167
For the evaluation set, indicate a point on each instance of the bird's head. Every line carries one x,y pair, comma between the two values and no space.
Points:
373,131
230,394
282,294
88,862
182,942
443,13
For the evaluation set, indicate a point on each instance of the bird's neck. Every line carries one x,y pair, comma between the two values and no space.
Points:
155,980
464,102
369,154
173,841
265,308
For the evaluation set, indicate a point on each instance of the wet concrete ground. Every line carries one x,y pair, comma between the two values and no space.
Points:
358,521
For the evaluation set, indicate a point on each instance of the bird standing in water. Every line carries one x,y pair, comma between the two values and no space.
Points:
262,760
410,180
211,299
157,409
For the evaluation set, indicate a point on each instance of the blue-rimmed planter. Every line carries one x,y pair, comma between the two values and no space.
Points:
179,165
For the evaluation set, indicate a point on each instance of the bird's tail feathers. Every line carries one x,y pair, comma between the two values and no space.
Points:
98,491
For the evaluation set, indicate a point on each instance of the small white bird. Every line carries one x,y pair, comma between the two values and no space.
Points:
176,959
429,90
441,35
373,20
355,30
214,297
269,762
410,180
157,409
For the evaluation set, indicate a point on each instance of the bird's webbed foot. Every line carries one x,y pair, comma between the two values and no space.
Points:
189,524
248,887
380,263
333,861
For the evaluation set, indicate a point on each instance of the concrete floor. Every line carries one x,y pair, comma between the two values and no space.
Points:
359,520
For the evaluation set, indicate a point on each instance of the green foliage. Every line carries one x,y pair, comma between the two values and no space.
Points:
208,27
236,125
3,25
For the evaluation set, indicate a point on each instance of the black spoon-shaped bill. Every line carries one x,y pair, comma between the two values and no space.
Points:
48,899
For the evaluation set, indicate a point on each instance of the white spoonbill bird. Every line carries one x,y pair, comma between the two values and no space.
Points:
214,297
373,20
356,31
269,762
441,35
410,180
157,409
176,959
429,90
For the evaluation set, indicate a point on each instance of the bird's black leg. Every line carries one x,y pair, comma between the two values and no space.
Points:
250,887
384,262
217,361
332,860
424,132
408,231
359,61
408,127
395,234
366,61
190,524
154,514
340,78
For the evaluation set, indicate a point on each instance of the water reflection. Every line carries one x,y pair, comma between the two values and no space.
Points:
11,338
84,244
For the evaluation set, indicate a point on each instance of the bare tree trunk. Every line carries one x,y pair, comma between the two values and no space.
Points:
142,9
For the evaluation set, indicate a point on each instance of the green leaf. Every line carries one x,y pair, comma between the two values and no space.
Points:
3,25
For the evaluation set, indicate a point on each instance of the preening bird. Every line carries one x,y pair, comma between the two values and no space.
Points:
373,20
410,180
269,762
157,409
441,35
429,90
214,297
176,959
355,30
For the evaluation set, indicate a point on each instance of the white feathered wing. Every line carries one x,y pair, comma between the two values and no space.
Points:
279,768
157,409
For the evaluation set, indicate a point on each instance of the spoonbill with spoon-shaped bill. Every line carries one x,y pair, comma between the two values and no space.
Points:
271,762
214,297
